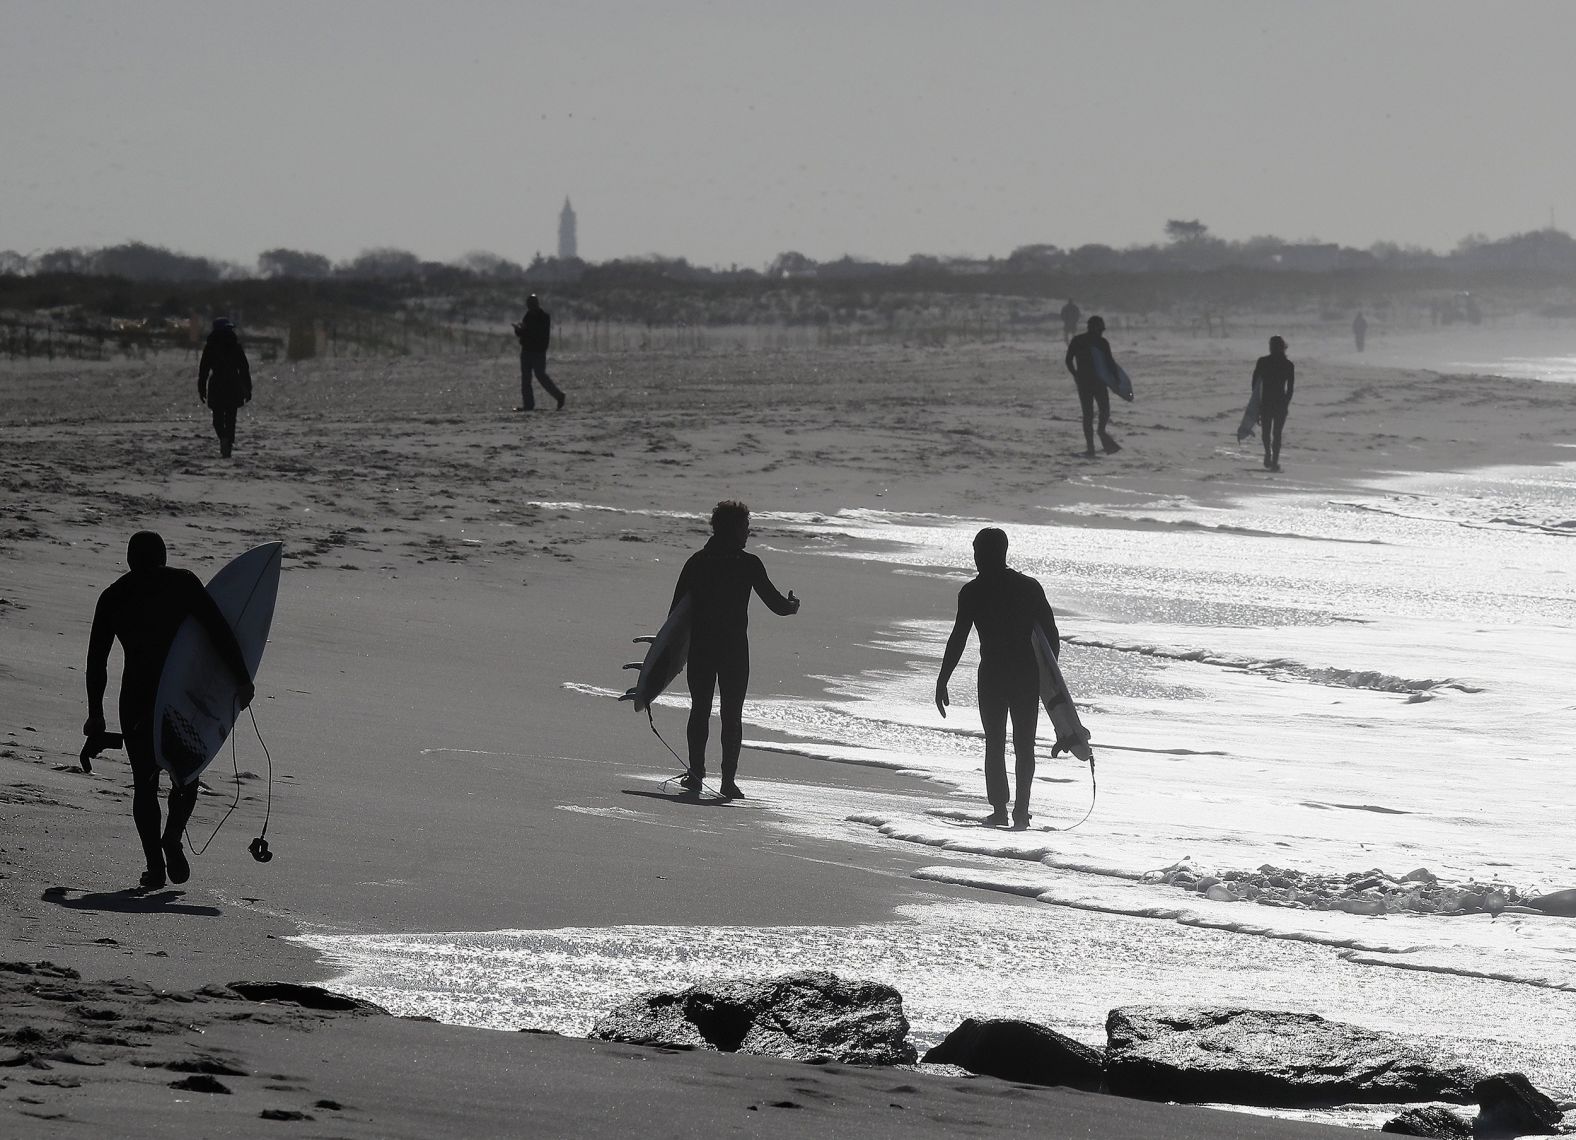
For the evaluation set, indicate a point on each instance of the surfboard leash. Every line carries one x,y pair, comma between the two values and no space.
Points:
660,737
258,846
1094,796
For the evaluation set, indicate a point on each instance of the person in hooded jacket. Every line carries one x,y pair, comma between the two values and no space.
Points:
224,380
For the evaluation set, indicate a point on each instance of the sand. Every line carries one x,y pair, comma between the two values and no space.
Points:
412,698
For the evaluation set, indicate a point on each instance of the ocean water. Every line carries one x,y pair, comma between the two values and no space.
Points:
1375,680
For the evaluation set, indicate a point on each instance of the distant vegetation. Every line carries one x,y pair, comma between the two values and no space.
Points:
90,300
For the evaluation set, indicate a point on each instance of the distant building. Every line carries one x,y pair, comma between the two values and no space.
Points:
567,248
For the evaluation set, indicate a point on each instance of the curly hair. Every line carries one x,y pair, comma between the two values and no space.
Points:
728,514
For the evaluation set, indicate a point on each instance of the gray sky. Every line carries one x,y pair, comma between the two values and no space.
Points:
730,131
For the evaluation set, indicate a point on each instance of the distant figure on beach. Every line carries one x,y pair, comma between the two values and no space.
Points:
1071,315
534,330
1274,376
718,579
1360,330
1004,606
1092,390
142,609
224,380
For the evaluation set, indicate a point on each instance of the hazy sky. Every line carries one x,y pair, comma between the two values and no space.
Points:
730,131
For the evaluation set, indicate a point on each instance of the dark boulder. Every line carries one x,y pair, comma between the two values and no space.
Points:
1020,1051
1268,1057
1431,1120
1508,1105
292,993
804,1016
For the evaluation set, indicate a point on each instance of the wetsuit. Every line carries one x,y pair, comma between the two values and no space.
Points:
1004,606
1275,376
224,382
534,331
1092,391
143,609
718,579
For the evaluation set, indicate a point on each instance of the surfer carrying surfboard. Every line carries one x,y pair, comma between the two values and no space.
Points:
718,580
1274,376
1005,606
1095,370
142,609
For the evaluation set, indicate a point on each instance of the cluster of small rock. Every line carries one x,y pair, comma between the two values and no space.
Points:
1262,1058
1360,892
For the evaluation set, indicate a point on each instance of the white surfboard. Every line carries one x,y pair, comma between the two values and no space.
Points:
665,659
1111,374
194,709
1071,735
1250,415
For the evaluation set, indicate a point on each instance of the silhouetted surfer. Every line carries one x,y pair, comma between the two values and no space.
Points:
1275,376
1004,606
718,579
142,609
1091,389
1360,331
534,332
224,380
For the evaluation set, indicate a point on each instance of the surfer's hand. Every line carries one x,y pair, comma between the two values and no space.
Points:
93,725
942,700
793,603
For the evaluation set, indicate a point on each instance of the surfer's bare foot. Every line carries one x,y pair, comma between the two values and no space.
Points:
151,880
731,790
1020,818
691,783
1090,454
997,818
1110,445
560,403
1275,466
175,863
1268,463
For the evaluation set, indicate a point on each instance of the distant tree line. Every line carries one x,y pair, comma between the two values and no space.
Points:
1189,247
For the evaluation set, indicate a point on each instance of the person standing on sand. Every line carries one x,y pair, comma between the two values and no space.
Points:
142,609
1071,314
1275,376
1360,330
534,331
1092,391
718,579
224,380
1004,606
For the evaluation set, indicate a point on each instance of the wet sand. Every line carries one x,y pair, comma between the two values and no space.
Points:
431,611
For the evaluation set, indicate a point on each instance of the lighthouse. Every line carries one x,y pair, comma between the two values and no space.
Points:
567,249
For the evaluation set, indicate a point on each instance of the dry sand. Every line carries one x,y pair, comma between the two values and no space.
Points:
413,699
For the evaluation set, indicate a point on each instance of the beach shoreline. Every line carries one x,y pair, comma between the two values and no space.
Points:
405,502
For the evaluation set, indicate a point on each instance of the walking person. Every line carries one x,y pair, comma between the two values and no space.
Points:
1004,606
534,330
1274,376
1360,331
1088,356
142,609
224,380
1071,315
718,579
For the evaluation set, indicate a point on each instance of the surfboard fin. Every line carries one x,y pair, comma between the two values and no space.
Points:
645,639
633,664
629,696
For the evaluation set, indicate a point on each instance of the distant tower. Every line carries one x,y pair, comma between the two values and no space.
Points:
566,233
